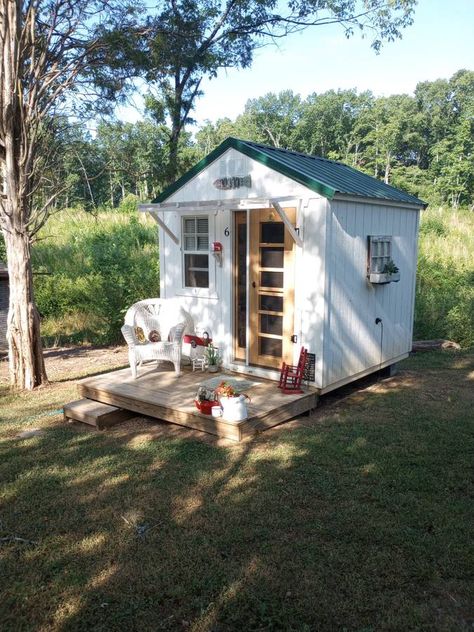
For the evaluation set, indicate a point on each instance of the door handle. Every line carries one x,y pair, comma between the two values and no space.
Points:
254,284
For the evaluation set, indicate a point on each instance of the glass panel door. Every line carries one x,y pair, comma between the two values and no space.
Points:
271,289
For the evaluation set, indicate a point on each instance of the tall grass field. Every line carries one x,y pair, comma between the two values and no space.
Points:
444,305
91,268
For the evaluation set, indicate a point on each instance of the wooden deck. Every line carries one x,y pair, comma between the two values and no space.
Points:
159,393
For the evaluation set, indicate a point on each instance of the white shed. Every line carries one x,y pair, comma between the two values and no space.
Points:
273,250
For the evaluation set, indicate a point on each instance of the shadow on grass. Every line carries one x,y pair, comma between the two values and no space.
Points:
360,523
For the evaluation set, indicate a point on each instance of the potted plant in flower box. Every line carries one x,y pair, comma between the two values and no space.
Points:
389,273
205,400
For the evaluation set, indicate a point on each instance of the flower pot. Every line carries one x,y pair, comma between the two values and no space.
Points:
213,368
381,278
234,408
205,407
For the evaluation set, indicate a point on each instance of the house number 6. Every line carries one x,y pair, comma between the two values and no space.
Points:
226,232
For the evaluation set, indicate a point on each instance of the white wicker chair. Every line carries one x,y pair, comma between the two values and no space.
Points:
165,316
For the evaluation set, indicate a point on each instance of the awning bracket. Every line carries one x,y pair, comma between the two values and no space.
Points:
162,225
291,229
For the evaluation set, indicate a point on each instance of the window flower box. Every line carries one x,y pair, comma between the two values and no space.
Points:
384,277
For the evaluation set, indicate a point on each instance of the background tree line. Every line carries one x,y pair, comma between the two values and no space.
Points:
422,143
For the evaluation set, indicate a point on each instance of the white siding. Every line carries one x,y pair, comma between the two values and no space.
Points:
213,309
266,183
209,308
335,306
310,282
352,340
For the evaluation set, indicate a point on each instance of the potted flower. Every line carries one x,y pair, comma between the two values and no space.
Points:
205,400
389,273
213,359
234,404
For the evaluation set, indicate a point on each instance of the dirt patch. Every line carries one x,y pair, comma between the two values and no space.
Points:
65,363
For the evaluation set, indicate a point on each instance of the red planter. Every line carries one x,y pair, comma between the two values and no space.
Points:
205,407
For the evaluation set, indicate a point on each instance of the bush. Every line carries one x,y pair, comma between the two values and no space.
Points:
433,225
97,267
445,286
129,204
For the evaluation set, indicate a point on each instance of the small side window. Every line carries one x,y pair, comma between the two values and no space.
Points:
381,268
195,242
380,253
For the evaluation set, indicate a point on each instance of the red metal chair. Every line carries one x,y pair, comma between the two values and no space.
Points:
291,375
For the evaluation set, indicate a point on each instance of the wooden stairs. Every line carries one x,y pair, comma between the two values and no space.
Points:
96,414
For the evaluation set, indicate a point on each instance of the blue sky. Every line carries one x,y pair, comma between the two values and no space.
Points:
440,41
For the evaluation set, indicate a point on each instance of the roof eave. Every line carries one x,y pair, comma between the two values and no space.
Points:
415,204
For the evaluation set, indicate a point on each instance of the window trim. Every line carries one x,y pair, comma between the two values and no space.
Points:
385,258
194,251
197,292
376,271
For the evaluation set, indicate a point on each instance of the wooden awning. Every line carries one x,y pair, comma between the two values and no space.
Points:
237,204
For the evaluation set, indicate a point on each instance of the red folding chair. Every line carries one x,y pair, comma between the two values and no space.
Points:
292,375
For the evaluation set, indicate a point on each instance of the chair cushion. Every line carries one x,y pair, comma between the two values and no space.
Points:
140,335
154,336
147,322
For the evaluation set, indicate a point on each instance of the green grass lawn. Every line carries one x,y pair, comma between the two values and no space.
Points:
359,518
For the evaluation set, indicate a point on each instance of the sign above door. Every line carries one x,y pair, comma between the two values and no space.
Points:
233,182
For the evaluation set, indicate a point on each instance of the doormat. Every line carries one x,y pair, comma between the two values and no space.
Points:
238,383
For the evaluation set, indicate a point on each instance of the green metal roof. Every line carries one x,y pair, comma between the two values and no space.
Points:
326,177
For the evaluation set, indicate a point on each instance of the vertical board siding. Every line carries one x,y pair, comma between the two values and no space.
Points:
205,306
352,340
310,279
335,305
213,309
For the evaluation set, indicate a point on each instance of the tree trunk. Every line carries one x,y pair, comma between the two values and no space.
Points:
27,369
388,164
26,363
111,189
177,122
172,170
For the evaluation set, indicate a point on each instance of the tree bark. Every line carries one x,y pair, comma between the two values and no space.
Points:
172,167
26,363
388,166
27,369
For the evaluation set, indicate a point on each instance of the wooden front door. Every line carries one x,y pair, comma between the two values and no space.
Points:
271,288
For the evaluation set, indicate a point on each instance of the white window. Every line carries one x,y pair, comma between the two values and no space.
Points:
380,253
196,251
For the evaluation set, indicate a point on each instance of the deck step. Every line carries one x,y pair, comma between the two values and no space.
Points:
95,413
